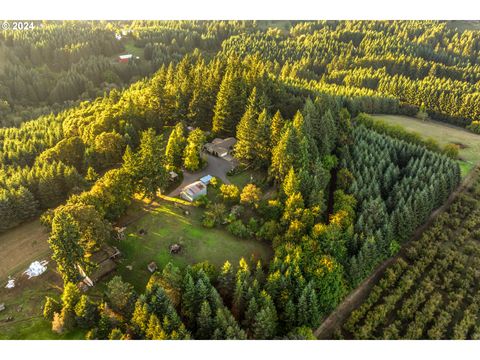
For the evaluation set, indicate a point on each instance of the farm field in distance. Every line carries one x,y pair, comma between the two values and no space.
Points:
444,134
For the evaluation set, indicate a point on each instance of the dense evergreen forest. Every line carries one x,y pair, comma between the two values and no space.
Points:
58,63
346,192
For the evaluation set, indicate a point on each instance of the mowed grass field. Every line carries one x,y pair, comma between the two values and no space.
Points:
20,246
444,134
165,223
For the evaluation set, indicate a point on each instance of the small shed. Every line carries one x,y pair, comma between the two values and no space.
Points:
2,306
173,175
124,58
206,179
152,267
193,191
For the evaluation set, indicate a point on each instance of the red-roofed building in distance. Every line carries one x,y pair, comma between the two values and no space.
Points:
124,58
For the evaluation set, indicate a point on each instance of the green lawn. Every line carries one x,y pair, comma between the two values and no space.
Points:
246,177
444,134
37,329
166,224
130,48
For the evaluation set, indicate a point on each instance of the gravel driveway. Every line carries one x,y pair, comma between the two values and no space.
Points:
217,167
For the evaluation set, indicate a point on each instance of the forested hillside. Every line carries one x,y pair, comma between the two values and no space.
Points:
343,194
56,63
416,62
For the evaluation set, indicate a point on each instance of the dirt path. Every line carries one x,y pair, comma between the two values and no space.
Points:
357,296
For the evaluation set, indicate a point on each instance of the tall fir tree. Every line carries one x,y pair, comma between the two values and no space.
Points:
175,147
64,243
246,131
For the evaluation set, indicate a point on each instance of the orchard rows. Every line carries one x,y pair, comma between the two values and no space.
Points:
431,291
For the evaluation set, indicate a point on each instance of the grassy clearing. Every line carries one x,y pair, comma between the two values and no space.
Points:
130,48
24,304
280,24
166,224
246,177
462,25
444,134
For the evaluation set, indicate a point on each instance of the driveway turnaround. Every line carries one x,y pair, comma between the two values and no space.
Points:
217,167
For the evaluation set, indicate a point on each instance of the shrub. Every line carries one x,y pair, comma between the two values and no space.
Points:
230,193
214,182
474,126
235,213
47,217
301,333
237,228
215,215
202,201
422,113
271,209
51,307
86,313
57,323
253,226
63,322
251,194
268,230
236,170
208,268
432,144
451,150
115,334
208,221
